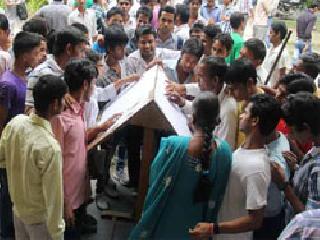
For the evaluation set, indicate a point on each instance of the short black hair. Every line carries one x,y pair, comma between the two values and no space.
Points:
297,82
236,19
168,9
311,64
78,71
267,110
183,12
146,11
38,25
46,90
93,56
83,28
51,38
25,42
69,35
226,40
4,23
257,47
279,27
193,46
114,35
145,30
217,66
302,109
114,11
197,25
190,1
240,71
212,31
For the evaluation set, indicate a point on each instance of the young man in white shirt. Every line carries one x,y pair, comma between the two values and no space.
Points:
278,33
246,194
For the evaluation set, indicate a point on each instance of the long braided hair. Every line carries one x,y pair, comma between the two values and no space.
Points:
205,115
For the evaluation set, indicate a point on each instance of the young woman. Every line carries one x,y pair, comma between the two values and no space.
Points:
187,178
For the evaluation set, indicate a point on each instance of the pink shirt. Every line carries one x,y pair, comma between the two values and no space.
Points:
69,129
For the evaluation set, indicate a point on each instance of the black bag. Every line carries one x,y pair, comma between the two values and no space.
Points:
22,12
97,160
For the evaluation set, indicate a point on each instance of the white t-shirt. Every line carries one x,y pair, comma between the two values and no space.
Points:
247,188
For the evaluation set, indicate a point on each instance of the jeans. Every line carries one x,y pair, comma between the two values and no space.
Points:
6,217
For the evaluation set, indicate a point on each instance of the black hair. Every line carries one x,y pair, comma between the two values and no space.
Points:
69,35
217,67
145,30
114,11
268,110
197,25
193,46
78,71
236,19
311,64
131,1
37,25
4,23
205,110
51,38
114,35
183,12
83,28
25,42
46,90
93,56
212,31
257,47
279,27
297,82
168,9
240,71
226,40
313,4
190,1
145,10
302,109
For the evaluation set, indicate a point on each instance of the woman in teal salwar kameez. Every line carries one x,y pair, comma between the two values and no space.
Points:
188,178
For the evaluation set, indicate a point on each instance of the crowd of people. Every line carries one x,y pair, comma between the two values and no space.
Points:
250,169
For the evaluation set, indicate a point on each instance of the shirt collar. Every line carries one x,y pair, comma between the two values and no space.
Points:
54,65
77,108
41,122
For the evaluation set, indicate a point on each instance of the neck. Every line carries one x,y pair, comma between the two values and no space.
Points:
46,116
164,37
62,61
19,69
81,9
254,140
77,95
126,18
239,31
111,61
276,44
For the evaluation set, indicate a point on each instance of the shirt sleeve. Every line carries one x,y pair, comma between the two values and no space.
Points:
53,193
32,81
256,187
58,130
7,93
192,89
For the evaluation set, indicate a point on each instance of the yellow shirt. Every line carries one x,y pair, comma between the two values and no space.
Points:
32,158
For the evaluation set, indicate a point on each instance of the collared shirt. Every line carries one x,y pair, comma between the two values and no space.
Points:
56,15
171,73
284,62
305,23
32,157
170,43
182,31
214,13
69,129
306,179
138,66
237,45
88,18
227,11
50,66
12,94
305,225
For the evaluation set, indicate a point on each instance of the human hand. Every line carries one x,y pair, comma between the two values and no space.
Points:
175,88
201,231
100,40
277,174
107,124
154,62
291,159
132,78
176,98
211,21
69,216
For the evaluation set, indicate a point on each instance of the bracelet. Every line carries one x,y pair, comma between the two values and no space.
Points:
216,228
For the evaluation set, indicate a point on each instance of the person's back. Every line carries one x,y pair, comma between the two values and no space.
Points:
187,174
56,15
